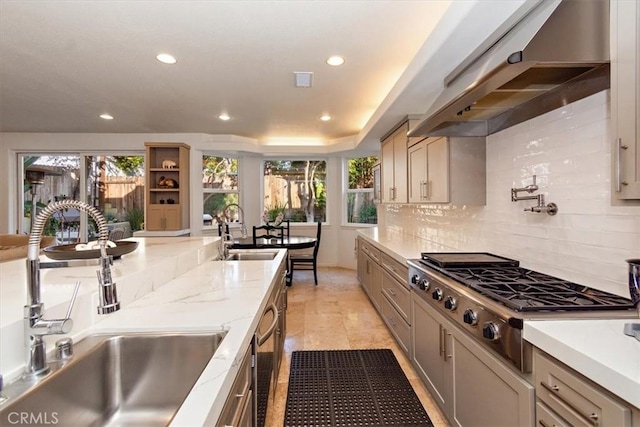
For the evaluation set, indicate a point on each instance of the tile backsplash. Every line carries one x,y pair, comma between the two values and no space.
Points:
569,151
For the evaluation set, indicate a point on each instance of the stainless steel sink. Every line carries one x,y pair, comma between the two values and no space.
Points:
123,380
251,256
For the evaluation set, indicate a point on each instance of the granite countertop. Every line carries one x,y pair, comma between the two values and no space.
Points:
167,284
596,348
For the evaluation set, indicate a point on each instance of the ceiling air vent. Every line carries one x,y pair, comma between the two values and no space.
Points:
303,78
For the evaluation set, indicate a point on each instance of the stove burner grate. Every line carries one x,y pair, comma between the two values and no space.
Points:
525,290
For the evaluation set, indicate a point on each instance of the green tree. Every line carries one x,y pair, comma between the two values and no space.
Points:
309,176
361,172
220,172
130,165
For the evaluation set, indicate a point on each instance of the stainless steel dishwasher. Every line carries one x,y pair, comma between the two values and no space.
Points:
265,344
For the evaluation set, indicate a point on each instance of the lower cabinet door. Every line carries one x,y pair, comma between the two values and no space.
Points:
487,393
427,338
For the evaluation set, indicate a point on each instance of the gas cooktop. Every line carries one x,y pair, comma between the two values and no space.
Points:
520,289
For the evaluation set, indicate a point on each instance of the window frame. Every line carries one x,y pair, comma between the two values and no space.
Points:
237,192
312,158
83,178
347,191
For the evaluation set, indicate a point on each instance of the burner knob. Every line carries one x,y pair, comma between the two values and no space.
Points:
415,279
491,331
424,284
470,317
437,294
450,303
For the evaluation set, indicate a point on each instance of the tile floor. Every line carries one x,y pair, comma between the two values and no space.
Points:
337,315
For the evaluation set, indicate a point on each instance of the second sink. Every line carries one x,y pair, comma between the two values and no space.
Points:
251,256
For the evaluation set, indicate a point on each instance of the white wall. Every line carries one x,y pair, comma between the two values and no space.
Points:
569,150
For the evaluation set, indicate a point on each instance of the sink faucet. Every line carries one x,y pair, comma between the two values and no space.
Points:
35,325
226,241
243,226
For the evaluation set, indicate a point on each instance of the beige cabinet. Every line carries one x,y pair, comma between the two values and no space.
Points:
625,99
447,170
166,186
395,304
565,397
370,271
470,385
394,165
238,409
385,281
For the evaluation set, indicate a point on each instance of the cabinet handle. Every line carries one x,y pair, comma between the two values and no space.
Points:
444,344
543,424
391,292
391,321
423,190
591,418
261,339
619,181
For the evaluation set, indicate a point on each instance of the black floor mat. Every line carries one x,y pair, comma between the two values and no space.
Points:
265,370
350,388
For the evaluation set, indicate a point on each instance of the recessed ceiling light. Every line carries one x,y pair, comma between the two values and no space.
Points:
335,60
325,117
106,116
165,58
224,117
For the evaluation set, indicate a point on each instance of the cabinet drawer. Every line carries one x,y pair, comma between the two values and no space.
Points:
398,270
398,295
399,328
545,417
370,250
574,398
238,402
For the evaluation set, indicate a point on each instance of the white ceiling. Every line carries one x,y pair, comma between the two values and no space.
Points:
63,63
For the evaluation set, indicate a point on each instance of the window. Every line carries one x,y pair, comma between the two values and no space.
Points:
297,188
112,184
360,206
219,188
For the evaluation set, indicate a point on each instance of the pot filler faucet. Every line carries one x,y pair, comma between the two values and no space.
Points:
35,326
550,209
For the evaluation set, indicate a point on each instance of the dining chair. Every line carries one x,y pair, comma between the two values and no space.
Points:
268,232
286,225
306,261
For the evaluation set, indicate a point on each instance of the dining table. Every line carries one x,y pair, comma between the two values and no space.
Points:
291,242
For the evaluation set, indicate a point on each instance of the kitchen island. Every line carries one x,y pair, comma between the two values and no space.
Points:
166,285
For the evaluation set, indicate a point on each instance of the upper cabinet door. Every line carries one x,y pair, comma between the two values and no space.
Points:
387,171
438,171
400,164
417,172
394,166
625,97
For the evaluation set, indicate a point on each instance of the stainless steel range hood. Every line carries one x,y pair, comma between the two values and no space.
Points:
558,53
